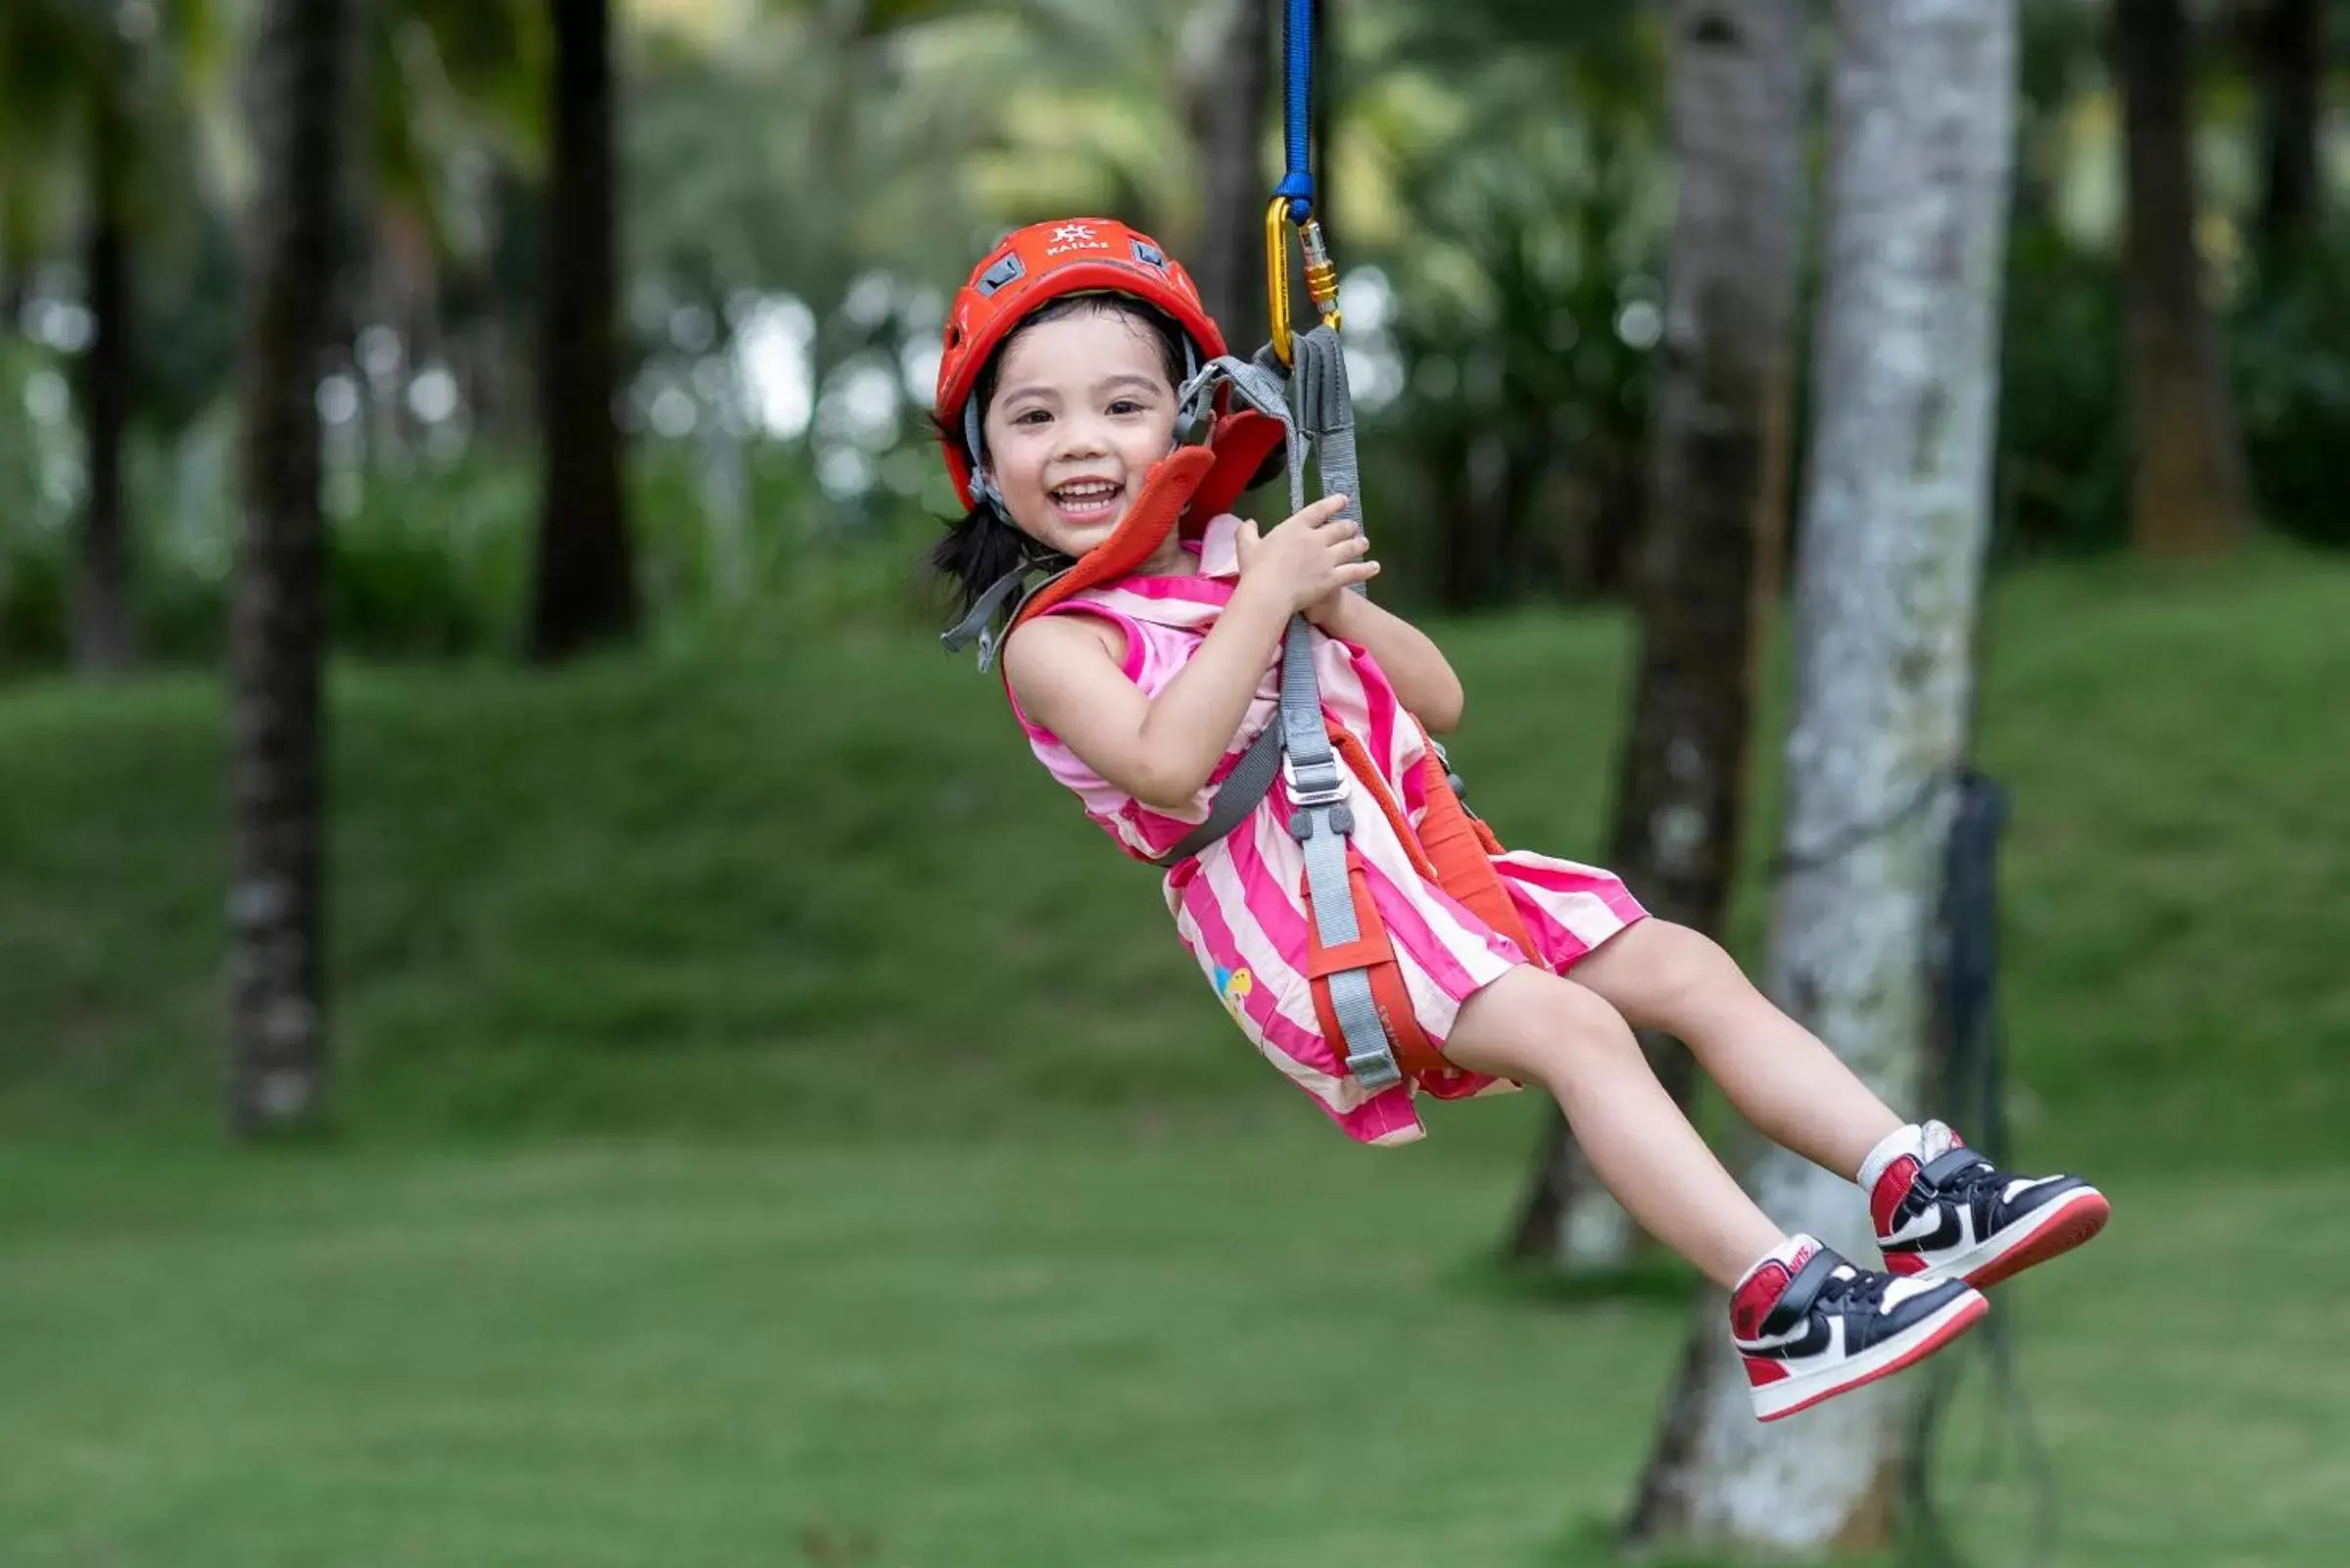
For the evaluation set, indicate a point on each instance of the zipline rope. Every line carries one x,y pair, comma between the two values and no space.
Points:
1296,47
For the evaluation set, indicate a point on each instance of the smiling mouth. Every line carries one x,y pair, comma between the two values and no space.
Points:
1086,499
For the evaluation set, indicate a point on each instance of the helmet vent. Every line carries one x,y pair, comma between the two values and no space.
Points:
1001,273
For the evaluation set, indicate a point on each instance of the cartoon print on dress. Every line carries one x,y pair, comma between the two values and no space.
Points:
1235,986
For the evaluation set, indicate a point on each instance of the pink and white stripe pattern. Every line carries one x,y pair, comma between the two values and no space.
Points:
1239,906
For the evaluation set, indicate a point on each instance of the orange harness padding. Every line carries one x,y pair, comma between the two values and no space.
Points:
1186,489
1452,849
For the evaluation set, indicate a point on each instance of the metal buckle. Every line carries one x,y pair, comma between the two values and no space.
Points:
1305,795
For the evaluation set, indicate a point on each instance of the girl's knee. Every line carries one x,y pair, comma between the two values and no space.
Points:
1657,971
1527,1023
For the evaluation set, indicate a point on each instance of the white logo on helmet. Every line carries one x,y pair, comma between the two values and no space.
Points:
1076,237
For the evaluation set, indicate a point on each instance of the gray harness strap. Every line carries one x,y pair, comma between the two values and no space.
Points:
1249,781
1298,745
978,625
1325,413
1319,783
1321,823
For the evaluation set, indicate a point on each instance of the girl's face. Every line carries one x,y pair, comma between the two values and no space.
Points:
1082,409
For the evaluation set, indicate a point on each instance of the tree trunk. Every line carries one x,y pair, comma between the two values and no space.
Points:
1229,113
1897,511
2289,58
277,969
102,642
1716,499
2187,484
586,583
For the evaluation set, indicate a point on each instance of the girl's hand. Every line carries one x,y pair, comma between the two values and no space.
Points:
1309,559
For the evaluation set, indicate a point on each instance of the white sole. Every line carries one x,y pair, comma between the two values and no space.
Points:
2063,1226
1774,1401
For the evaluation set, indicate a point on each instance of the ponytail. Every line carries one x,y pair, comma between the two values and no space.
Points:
981,549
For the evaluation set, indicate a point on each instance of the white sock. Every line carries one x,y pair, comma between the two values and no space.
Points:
1909,1140
1923,1141
1791,1255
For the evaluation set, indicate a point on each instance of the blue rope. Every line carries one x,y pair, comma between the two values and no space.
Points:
1297,45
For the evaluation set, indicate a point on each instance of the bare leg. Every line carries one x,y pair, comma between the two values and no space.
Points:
1536,1026
1778,1073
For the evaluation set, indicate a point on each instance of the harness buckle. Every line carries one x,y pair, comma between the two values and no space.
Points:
1313,790
1374,1069
1321,797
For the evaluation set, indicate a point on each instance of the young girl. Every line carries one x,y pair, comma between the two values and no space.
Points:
1058,409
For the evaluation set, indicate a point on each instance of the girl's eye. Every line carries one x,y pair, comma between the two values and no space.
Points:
1126,406
1031,417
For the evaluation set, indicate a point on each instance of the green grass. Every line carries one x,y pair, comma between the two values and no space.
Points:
830,894
1272,1357
768,1119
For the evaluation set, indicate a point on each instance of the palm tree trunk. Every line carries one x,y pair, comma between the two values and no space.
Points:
1228,108
102,642
1717,480
2187,484
276,959
585,581
1896,512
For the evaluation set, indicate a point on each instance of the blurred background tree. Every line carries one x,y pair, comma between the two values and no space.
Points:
795,186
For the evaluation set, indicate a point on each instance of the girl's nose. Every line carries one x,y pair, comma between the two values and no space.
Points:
1080,438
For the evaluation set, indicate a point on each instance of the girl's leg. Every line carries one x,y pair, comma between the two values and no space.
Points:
1536,1026
1778,1073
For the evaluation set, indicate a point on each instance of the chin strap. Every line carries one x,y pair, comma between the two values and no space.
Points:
978,625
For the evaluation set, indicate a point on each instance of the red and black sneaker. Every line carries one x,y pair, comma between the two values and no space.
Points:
1946,1213
1810,1325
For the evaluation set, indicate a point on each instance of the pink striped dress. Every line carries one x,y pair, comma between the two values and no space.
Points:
1239,906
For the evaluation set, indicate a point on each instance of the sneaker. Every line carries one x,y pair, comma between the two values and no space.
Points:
1810,1326
1955,1215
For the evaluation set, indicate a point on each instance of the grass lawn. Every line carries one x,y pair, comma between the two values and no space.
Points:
1278,1355
773,1131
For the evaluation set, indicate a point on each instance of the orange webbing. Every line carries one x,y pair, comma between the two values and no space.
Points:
1166,491
1451,848
1359,759
1462,849
1241,442
1374,954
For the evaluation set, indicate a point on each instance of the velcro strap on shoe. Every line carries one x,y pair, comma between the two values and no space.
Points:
1795,1302
1951,1164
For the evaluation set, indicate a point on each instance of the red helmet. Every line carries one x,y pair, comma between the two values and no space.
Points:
1042,262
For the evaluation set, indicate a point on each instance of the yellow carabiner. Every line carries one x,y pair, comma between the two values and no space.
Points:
1277,276
1322,275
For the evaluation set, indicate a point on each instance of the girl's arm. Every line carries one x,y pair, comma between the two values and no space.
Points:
1422,677
1159,750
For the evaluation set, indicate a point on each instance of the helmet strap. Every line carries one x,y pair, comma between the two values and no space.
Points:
983,489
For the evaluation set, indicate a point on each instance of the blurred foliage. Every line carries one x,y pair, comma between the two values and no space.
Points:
698,892
2063,432
1524,311
432,559
805,181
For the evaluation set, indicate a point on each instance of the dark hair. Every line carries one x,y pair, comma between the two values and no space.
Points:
984,545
